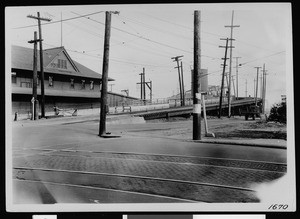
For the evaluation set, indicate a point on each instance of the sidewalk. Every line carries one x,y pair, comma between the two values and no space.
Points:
257,142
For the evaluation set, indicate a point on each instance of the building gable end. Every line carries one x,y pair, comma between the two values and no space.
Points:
62,61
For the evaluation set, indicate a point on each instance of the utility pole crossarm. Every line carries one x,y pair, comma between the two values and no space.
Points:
34,41
39,18
232,26
176,58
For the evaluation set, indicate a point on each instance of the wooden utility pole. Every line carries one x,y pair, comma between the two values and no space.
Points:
230,62
261,86
143,84
183,92
222,82
141,74
257,68
61,30
226,75
177,59
233,84
41,61
196,85
144,87
150,88
237,76
34,78
103,99
264,89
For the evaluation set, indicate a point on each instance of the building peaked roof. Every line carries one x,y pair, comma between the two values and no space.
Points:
51,54
22,58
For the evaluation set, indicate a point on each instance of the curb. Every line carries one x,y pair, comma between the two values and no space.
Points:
240,143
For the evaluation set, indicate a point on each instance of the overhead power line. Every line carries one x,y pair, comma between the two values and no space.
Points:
114,59
277,53
61,20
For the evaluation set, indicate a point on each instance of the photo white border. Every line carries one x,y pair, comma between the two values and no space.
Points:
181,207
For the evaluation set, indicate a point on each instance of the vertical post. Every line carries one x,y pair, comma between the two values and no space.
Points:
180,84
61,29
230,63
141,86
41,61
41,68
230,67
180,75
263,89
196,86
103,99
233,85
226,75
33,108
34,80
256,85
237,77
144,86
260,87
151,91
222,83
183,94
204,113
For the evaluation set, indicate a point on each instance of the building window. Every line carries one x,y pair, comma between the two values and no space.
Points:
91,85
62,63
14,77
72,84
82,84
50,81
26,84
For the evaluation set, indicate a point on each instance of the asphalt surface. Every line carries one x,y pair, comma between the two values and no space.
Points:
65,161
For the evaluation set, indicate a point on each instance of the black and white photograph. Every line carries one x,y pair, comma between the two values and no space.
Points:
149,107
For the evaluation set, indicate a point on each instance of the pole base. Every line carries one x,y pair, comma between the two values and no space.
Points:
209,134
109,135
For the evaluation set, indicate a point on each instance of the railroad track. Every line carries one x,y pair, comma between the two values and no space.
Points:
152,177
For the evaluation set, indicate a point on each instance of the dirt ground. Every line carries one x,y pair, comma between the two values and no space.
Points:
235,127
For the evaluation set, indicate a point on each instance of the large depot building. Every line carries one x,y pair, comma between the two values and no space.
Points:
68,84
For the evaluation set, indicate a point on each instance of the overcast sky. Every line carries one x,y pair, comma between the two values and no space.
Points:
147,36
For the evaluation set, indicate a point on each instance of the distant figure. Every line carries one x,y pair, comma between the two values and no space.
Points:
56,110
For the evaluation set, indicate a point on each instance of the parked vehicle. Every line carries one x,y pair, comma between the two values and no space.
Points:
251,111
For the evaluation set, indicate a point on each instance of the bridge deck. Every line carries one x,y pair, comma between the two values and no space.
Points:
185,110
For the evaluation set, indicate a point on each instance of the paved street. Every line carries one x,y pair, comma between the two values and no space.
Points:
64,161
